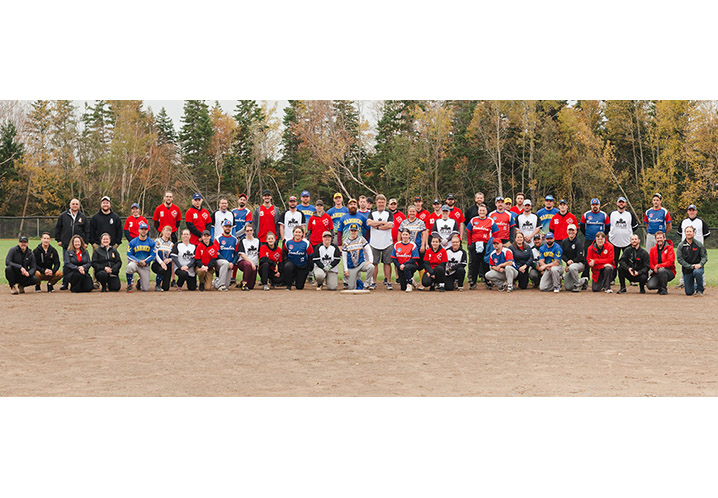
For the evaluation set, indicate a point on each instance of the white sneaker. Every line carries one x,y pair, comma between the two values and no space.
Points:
557,290
319,287
510,288
266,287
409,288
609,291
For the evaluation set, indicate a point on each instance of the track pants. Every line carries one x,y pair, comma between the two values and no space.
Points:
223,274
551,278
144,273
605,277
573,275
355,273
507,276
332,278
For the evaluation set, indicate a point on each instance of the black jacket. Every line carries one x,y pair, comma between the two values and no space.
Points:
523,257
106,257
105,223
47,260
17,259
572,250
71,263
636,259
66,227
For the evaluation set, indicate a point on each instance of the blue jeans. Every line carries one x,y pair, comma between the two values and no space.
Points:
689,279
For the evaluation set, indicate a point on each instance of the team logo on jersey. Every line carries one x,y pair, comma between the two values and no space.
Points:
132,223
162,213
112,221
194,215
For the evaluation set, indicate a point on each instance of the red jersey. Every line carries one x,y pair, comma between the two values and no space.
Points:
273,254
317,225
481,230
435,258
405,253
398,218
457,215
431,219
266,222
171,216
504,221
132,225
518,210
423,215
205,254
200,219
560,223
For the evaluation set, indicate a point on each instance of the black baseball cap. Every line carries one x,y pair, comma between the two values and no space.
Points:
22,238
266,192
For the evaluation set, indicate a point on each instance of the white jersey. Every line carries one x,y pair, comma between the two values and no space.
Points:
622,226
291,220
250,248
328,255
218,217
446,230
700,228
527,224
183,255
380,239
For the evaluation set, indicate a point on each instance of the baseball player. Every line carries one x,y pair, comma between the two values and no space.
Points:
297,255
183,257
205,260
561,221
197,219
657,219
528,223
550,266
406,258
480,228
248,260
592,222
446,227
226,256
326,262
132,223
162,264
456,213
622,223
357,258
572,253
140,254
291,218
700,230
502,270
266,218
455,265
307,209
504,221
219,217
168,213
381,223
435,259
546,214
271,264
336,212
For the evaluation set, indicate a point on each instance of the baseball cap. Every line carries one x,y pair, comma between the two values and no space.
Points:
327,234
527,202
549,235
206,232
305,193
499,198
293,198
571,227
548,198
338,196
406,230
353,226
352,200
242,195
135,205
537,236
22,238
508,199
562,201
595,201
497,241
621,199
266,192
450,196
370,200
105,198
418,198
196,196
692,206
143,225
319,202
393,201
226,223
437,201
445,208
658,195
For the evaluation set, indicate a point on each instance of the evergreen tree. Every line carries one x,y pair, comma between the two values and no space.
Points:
165,128
293,163
196,138
11,153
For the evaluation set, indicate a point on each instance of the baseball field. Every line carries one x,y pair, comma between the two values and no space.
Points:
308,343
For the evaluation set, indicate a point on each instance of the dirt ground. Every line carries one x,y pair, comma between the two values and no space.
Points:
307,343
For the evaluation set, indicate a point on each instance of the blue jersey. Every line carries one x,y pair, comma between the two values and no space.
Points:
297,252
348,220
240,220
227,248
141,250
307,210
336,215
544,216
496,259
365,215
549,254
656,220
594,223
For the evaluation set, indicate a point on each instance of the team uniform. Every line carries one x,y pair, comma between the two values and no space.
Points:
510,272
349,220
226,255
407,255
551,278
183,255
365,227
326,265
480,232
700,229
167,215
291,220
241,218
218,219
591,223
308,210
398,218
250,248
265,220
446,229
655,220
197,220
140,250
357,258
457,215
297,262
504,222
336,214
416,228
269,261
206,255
559,225
527,224
434,265
132,226
431,220
455,268
163,250
317,225
380,241
622,227
545,216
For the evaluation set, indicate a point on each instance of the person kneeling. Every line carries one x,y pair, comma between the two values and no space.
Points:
456,265
633,265
271,265
501,263
20,267
48,264
77,266
405,256
357,258
297,263
106,262
601,259
435,259
692,256
663,264
326,262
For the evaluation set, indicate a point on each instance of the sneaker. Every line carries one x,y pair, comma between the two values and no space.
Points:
372,286
442,289
158,288
319,287
13,290
21,289
510,288
63,287
201,286
502,287
472,286
557,290
289,287
232,282
681,286
460,289
96,285
173,283
266,287
37,288
608,291
245,287
409,287
389,287
104,289
699,294
50,288
583,283
622,290
129,287
488,285
663,292
222,288
642,291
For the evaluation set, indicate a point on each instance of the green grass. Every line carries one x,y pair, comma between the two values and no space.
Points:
6,244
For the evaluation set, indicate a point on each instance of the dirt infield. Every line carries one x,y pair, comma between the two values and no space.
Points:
476,343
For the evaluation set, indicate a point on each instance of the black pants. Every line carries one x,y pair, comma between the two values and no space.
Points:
173,237
108,281
165,274
605,277
407,274
477,266
586,268
617,251
295,275
80,282
14,276
439,274
523,278
266,274
182,277
455,279
623,275
659,280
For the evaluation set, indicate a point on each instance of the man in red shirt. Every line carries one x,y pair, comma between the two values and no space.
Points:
504,221
398,217
197,219
662,258
132,223
205,260
319,223
480,229
517,209
166,214
561,221
456,213
436,215
421,213
266,218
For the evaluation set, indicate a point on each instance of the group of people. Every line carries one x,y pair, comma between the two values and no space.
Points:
508,247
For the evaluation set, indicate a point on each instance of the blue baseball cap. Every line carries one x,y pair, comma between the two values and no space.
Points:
621,199
305,192
548,198
135,205
196,196
692,206
549,235
445,207
595,201
226,223
562,201
499,198
143,225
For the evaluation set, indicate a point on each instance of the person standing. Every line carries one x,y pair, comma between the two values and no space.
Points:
480,228
519,206
48,264
105,221
436,215
421,213
140,254
504,221
456,213
435,259
700,229
357,258
406,259
473,210
561,221
20,267
248,260
162,264
307,209
601,260
622,223
455,265
266,218
326,263
381,223
546,214
197,219
592,222
167,213
132,223
106,263
205,260
417,228
657,219
242,216
69,223
662,258
349,219
291,218
336,212
397,217
502,270
633,265
226,256
77,265
271,265
319,223
692,256
183,258
549,265
572,253
528,223
446,227
296,254
219,217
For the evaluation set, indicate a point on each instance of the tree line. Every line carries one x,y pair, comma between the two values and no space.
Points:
52,151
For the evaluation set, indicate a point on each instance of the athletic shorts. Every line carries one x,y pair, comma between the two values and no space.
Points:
383,254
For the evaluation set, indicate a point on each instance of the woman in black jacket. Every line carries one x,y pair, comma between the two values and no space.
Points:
106,262
77,265
523,257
